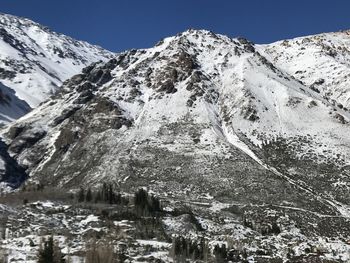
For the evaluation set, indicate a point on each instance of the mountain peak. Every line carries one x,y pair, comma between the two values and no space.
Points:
253,137
34,61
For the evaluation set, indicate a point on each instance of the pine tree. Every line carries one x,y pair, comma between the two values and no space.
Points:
88,197
110,194
81,195
45,254
104,192
220,253
98,197
146,205
50,252
141,202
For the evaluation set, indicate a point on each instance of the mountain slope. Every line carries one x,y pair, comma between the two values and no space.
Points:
34,61
199,118
199,87
321,62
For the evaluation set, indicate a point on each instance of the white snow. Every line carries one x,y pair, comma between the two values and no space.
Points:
40,68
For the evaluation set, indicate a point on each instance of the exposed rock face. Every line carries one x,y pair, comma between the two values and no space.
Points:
199,117
10,171
165,98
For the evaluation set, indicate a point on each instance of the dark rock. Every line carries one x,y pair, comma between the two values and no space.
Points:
15,43
89,68
27,138
84,97
313,87
65,139
243,41
189,86
167,87
247,45
186,62
95,75
15,130
86,86
65,115
134,93
265,62
111,64
319,81
196,77
106,76
12,174
250,113
340,118
189,103
74,81
7,74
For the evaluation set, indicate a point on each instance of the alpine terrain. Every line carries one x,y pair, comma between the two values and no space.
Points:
203,148
34,61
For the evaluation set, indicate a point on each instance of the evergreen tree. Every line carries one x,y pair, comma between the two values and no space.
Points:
110,194
146,205
88,197
50,252
140,201
81,195
104,192
46,252
98,197
194,250
220,253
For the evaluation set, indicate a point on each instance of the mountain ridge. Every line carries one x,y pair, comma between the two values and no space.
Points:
223,127
247,110
34,61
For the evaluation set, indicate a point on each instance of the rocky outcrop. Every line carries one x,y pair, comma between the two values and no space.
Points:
206,121
11,173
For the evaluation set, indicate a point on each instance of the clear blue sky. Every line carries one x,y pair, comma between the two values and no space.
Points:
123,24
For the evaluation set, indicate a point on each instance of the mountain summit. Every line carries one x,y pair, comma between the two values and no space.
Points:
256,134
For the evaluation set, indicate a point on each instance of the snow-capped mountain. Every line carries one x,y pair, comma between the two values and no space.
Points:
225,88
320,62
211,119
34,61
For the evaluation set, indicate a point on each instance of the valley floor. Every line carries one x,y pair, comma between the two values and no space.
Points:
90,226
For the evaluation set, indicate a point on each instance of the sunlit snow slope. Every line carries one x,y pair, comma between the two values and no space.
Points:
198,107
34,61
